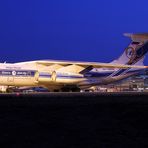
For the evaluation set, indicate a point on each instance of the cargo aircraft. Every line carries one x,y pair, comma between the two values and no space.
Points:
73,75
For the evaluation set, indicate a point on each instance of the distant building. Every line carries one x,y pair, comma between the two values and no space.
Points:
135,83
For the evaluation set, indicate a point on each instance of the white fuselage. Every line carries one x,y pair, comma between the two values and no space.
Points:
31,74
53,76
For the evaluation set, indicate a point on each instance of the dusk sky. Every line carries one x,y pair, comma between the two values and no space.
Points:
77,30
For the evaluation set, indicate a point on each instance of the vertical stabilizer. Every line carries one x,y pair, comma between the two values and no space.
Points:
134,54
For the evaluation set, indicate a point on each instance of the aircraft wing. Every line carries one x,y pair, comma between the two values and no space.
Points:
88,64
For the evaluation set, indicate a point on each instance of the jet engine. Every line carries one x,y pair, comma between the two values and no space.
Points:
45,77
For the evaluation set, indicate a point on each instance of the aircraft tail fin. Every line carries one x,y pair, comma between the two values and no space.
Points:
134,54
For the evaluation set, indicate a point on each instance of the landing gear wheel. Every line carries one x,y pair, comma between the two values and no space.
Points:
9,90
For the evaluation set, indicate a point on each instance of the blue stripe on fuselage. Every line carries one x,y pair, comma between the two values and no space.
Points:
97,74
119,72
45,75
87,75
116,73
68,76
31,73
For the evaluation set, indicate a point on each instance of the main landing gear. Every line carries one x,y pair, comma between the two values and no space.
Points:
70,89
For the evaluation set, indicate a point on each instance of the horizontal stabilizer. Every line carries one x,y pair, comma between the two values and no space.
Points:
137,37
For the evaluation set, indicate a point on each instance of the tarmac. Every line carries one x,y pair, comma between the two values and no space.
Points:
74,119
73,94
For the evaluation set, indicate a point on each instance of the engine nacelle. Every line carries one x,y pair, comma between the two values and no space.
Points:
45,77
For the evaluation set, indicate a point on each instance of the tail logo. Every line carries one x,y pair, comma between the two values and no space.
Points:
130,53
